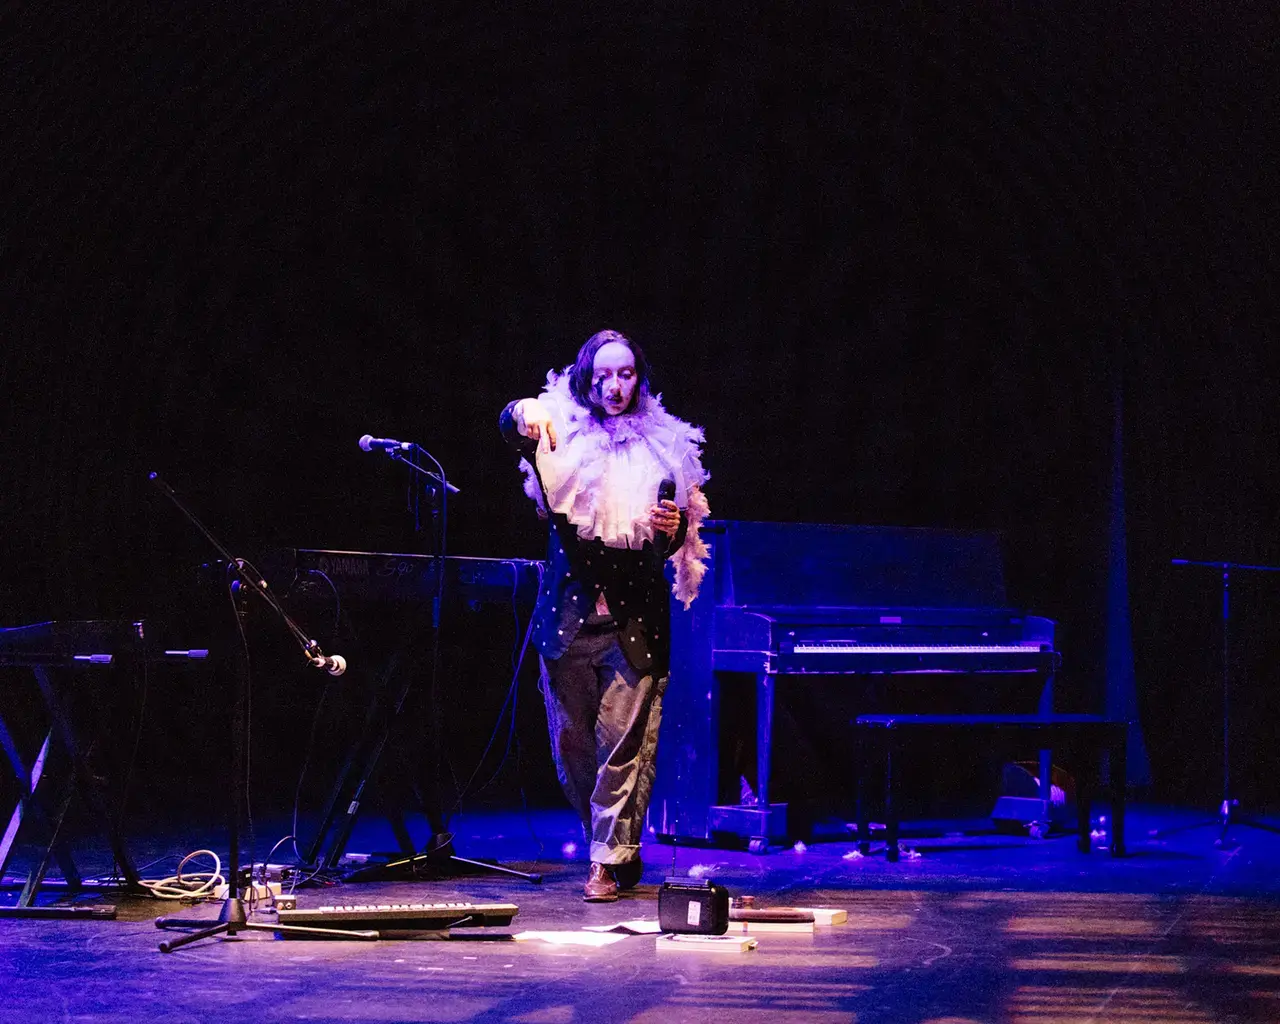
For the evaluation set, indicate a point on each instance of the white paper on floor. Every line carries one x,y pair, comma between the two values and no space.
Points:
579,938
641,927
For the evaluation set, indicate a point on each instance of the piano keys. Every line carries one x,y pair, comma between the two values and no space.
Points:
838,602
873,659
800,641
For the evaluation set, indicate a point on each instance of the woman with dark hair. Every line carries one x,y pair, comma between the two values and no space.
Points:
582,376
620,480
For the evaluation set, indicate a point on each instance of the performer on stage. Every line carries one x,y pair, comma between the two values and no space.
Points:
596,450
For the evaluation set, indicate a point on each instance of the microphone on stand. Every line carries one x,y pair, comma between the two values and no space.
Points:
661,539
370,443
392,447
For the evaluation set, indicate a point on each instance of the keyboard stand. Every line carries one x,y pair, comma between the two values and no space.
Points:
61,746
346,799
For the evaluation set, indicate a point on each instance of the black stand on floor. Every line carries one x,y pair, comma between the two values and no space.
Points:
47,818
347,798
232,918
349,790
1228,810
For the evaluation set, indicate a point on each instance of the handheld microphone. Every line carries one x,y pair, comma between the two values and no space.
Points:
661,540
370,443
334,664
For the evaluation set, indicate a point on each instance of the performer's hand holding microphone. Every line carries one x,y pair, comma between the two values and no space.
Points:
664,517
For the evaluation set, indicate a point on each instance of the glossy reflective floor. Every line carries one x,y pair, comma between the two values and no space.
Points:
965,928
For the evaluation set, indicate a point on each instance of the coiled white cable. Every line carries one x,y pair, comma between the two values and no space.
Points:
190,886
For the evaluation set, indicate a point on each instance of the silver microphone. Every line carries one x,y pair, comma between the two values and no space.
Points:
389,445
370,443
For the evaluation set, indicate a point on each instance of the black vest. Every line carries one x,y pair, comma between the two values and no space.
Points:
633,583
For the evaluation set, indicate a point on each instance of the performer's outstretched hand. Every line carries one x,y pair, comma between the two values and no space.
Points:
533,420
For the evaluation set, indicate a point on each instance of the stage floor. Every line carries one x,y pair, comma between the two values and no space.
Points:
968,928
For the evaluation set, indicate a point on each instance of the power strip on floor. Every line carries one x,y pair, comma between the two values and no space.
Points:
258,893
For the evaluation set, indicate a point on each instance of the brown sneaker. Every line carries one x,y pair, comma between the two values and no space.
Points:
600,887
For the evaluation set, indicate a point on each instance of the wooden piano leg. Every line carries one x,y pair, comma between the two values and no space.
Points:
764,735
1089,756
891,852
1118,769
1046,760
759,842
863,737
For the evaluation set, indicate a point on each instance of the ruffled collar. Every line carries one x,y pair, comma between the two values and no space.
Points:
605,471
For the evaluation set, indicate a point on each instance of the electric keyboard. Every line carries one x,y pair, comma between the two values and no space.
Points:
83,642
390,577
401,917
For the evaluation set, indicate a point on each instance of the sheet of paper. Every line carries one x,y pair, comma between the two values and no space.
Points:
641,927
576,938
827,915
706,943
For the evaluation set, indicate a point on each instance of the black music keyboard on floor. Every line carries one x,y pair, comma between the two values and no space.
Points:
398,917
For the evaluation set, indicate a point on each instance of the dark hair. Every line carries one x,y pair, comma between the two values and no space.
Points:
584,369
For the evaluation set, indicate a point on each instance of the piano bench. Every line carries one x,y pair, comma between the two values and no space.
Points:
887,736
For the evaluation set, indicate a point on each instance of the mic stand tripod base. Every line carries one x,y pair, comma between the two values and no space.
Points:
407,867
440,849
1227,817
232,919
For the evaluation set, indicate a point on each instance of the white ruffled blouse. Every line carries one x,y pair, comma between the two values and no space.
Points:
604,474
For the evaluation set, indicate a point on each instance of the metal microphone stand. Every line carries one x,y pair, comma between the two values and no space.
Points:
435,480
232,917
1227,810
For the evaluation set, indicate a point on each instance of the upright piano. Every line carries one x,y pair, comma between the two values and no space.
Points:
803,599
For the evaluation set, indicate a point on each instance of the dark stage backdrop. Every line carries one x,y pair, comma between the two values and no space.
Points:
900,264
